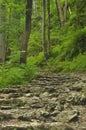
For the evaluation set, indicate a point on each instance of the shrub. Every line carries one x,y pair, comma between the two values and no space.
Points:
21,74
73,46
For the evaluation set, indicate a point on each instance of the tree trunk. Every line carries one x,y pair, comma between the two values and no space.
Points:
23,54
9,20
2,37
44,29
48,9
62,11
35,7
77,15
65,10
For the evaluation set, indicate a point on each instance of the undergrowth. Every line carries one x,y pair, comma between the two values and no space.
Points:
78,64
68,55
15,75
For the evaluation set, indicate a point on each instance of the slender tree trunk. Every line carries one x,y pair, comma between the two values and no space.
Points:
48,9
23,54
44,29
2,36
65,10
9,19
60,12
35,7
77,14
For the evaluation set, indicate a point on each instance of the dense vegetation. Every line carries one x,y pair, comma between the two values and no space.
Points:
65,40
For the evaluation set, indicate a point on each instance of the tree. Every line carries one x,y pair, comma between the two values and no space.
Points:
23,54
62,11
35,7
48,10
2,36
44,29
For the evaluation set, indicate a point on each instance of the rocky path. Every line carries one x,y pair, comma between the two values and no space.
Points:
50,102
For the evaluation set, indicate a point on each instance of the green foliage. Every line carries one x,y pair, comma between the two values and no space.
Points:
70,55
21,103
35,44
68,44
73,45
13,74
78,64
21,74
15,129
36,60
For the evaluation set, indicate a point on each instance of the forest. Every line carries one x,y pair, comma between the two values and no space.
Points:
42,64
38,35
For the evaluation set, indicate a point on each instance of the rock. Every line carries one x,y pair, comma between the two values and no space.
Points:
77,88
54,113
5,116
62,127
15,95
67,116
74,117
45,114
28,95
50,102
5,107
78,99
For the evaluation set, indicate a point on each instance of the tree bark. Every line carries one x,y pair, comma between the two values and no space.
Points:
35,7
48,9
44,29
65,10
23,54
62,11
2,36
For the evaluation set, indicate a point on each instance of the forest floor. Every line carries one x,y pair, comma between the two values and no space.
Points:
50,102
